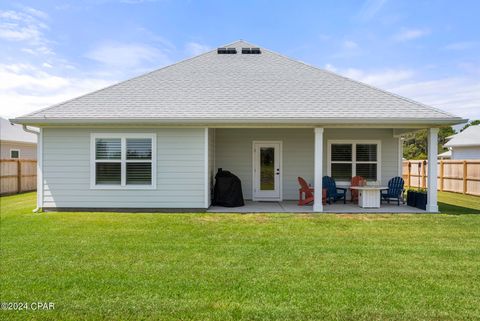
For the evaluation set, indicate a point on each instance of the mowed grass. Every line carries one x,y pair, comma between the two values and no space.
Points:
117,266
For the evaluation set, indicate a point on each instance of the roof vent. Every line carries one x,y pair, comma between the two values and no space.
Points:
251,51
226,51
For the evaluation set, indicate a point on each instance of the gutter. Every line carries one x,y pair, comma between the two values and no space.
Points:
38,209
240,121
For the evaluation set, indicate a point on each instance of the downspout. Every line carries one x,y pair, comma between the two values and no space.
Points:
39,168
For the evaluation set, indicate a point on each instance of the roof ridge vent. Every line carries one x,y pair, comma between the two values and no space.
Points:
226,51
251,51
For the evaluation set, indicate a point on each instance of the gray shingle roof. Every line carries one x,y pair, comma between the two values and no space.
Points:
12,132
469,137
266,87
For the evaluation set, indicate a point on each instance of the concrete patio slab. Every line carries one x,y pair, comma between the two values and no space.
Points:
292,207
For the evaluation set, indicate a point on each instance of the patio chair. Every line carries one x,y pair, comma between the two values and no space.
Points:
305,193
394,191
334,193
356,181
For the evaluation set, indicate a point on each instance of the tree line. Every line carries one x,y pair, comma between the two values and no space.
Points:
415,144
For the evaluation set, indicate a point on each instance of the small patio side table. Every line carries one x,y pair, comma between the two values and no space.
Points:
369,196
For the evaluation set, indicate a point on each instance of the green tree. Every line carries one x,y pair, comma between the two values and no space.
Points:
415,143
472,123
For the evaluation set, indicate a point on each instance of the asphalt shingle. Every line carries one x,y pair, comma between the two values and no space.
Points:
240,86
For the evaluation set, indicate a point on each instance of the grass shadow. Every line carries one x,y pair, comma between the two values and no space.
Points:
456,210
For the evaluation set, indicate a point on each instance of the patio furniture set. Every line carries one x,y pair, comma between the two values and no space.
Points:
365,195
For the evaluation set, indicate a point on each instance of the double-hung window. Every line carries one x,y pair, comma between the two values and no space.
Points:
354,158
123,161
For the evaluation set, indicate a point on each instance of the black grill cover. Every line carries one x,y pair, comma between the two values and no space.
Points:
228,190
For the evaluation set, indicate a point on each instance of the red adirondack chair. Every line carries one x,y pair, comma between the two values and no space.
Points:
306,191
356,181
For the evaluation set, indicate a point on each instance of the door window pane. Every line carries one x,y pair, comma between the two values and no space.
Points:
368,171
267,168
108,148
139,173
342,152
342,171
366,153
108,173
139,148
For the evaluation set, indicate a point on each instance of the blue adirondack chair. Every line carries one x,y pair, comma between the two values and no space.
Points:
334,193
395,190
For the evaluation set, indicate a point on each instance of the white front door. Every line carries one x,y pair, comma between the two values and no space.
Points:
267,175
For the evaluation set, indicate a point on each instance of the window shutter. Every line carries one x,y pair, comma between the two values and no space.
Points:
366,153
139,148
108,148
342,152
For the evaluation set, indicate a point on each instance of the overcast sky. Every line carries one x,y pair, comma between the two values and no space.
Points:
52,51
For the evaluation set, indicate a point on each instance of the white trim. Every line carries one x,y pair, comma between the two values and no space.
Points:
207,176
353,142
404,122
40,170
432,194
214,146
123,161
15,150
400,157
318,169
280,165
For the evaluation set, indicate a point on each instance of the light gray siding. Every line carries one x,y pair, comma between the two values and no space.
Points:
27,151
389,147
468,152
180,170
211,163
233,152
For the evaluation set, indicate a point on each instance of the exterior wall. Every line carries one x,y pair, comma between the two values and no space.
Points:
233,152
466,152
27,151
211,163
180,171
390,160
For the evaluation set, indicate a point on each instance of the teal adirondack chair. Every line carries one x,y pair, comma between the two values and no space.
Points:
395,190
334,193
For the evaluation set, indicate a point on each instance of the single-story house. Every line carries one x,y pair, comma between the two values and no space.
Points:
154,142
464,145
15,143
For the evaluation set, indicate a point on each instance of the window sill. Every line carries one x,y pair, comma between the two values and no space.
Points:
117,187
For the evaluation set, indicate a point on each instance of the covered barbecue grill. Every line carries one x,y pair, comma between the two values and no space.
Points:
228,190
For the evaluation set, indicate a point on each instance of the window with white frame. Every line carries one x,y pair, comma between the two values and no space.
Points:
14,153
354,158
123,161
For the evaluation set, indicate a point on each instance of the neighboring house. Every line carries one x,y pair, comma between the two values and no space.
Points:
445,155
155,141
464,145
15,143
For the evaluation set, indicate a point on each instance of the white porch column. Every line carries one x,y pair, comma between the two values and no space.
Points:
432,146
40,171
318,170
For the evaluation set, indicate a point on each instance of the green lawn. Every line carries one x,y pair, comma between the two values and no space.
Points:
110,266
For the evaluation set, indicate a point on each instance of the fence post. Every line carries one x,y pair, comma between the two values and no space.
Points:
409,165
441,175
424,178
464,177
19,176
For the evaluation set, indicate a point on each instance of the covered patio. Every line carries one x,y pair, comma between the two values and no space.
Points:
268,162
292,207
